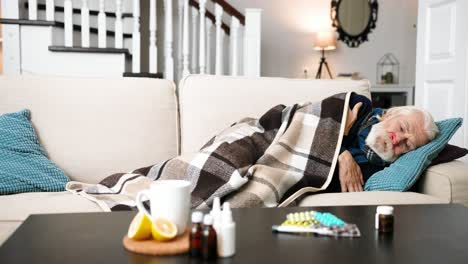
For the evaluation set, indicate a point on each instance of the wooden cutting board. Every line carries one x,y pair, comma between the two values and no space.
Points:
178,245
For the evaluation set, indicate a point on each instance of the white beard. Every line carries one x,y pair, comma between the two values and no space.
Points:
379,141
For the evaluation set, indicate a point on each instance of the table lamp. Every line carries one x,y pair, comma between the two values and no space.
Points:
324,40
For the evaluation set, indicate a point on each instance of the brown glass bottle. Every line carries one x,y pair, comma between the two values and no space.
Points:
385,223
209,239
384,219
196,235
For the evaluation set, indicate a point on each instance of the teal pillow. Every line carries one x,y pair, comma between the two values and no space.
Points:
404,172
24,165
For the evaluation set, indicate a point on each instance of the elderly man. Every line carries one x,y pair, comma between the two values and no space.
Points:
374,138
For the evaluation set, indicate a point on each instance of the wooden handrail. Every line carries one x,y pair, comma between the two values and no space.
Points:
211,16
231,10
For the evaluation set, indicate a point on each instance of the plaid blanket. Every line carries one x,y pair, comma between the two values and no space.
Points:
262,162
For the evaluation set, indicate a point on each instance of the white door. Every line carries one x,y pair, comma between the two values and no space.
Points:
441,63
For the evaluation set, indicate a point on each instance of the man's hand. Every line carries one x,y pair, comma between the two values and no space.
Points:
351,179
352,117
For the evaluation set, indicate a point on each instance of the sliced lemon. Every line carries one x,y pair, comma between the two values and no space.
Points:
140,227
163,229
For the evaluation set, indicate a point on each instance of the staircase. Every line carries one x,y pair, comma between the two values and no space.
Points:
107,38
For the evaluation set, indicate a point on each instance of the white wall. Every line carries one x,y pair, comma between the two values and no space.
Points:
287,38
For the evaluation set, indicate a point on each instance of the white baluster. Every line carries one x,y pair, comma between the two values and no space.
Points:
168,36
153,50
102,28
68,22
136,37
194,39
240,53
202,46
209,25
185,46
224,50
252,42
219,40
85,24
180,15
234,46
50,8
32,10
118,29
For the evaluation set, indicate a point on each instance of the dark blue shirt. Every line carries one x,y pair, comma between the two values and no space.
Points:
355,141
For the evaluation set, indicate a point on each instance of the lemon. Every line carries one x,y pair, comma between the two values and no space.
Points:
140,227
163,229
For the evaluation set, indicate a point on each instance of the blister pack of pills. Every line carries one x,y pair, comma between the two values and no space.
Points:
318,223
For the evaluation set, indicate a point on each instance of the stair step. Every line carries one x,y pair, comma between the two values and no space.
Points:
92,30
77,10
88,50
27,22
158,75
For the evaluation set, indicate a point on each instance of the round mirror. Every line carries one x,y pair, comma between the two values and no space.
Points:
354,19
354,16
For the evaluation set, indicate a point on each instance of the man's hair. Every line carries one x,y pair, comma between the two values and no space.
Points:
429,125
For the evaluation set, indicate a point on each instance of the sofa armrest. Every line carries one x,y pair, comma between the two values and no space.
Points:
447,181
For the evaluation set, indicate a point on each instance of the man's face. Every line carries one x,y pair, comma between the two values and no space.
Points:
396,135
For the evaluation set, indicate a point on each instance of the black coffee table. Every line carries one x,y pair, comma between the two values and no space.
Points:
423,234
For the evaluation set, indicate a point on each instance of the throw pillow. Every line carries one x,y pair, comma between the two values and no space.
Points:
404,172
449,153
24,165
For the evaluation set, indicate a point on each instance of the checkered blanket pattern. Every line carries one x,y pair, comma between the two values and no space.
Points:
262,162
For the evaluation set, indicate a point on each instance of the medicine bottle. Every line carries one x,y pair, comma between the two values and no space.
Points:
196,235
384,219
209,239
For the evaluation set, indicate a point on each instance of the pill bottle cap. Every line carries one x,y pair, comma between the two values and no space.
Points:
385,210
208,220
197,217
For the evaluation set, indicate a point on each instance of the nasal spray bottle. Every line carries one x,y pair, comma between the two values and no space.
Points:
227,240
216,213
225,228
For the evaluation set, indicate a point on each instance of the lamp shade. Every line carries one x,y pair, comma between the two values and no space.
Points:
325,40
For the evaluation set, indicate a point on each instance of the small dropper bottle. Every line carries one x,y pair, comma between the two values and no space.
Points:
196,235
209,239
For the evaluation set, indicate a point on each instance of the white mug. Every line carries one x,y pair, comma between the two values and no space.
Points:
169,199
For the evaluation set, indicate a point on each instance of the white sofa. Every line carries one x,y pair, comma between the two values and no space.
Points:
94,127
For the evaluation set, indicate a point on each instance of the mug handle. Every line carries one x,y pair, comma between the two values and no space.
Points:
139,203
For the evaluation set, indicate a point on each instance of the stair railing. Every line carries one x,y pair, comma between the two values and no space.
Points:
244,56
195,35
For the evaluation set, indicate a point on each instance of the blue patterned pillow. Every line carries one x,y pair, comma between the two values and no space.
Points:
24,166
404,172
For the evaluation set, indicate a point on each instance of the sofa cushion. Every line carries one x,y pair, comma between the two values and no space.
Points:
24,165
448,181
93,127
369,198
17,207
209,103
